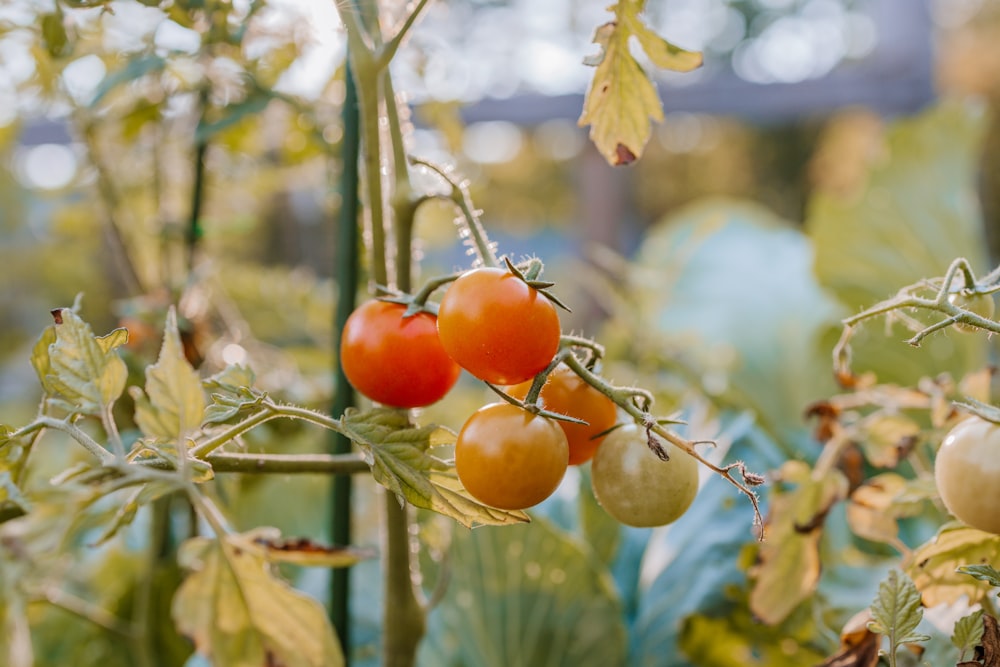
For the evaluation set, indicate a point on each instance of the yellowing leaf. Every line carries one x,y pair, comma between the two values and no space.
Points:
888,437
83,370
933,565
13,455
240,615
398,455
876,505
621,100
788,569
306,552
174,403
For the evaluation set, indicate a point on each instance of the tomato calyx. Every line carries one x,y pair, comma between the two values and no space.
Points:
534,408
529,276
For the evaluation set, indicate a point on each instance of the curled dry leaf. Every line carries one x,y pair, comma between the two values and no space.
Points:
859,646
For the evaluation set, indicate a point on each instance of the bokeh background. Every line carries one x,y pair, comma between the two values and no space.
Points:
828,152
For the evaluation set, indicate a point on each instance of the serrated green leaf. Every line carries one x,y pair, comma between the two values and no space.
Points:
932,565
173,404
84,370
400,460
240,615
621,100
525,596
968,632
789,567
232,394
986,573
897,611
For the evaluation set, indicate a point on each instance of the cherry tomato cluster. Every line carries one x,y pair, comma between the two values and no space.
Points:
501,329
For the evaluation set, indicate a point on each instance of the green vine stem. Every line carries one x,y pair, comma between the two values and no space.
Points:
960,269
637,402
472,226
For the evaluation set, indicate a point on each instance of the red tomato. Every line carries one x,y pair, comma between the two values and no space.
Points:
394,360
508,458
498,327
566,394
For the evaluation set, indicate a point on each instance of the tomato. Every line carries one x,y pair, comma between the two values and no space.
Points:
508,458
394,360
498,327
967,472
566,394
634,486
980,304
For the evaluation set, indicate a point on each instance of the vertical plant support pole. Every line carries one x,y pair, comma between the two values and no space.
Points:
403,619
195,231
346,270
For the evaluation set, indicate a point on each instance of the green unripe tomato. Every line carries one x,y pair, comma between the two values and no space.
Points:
980,304
634,486
967,472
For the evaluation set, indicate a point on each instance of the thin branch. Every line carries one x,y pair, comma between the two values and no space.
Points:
287,464
470,216
79,435
625,399
83,609
388,52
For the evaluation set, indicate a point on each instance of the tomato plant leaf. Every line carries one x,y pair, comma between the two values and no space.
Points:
886,438
986,573
84,370
13,455
127,510
525,595
896,611
232,394
622,100
173,404
398,455
932,566
306,552
877,505
859,646
788,569
41,361
968,632
240,615
990,642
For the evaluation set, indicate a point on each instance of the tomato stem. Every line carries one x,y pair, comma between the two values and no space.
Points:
472,228
626,398
941,302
